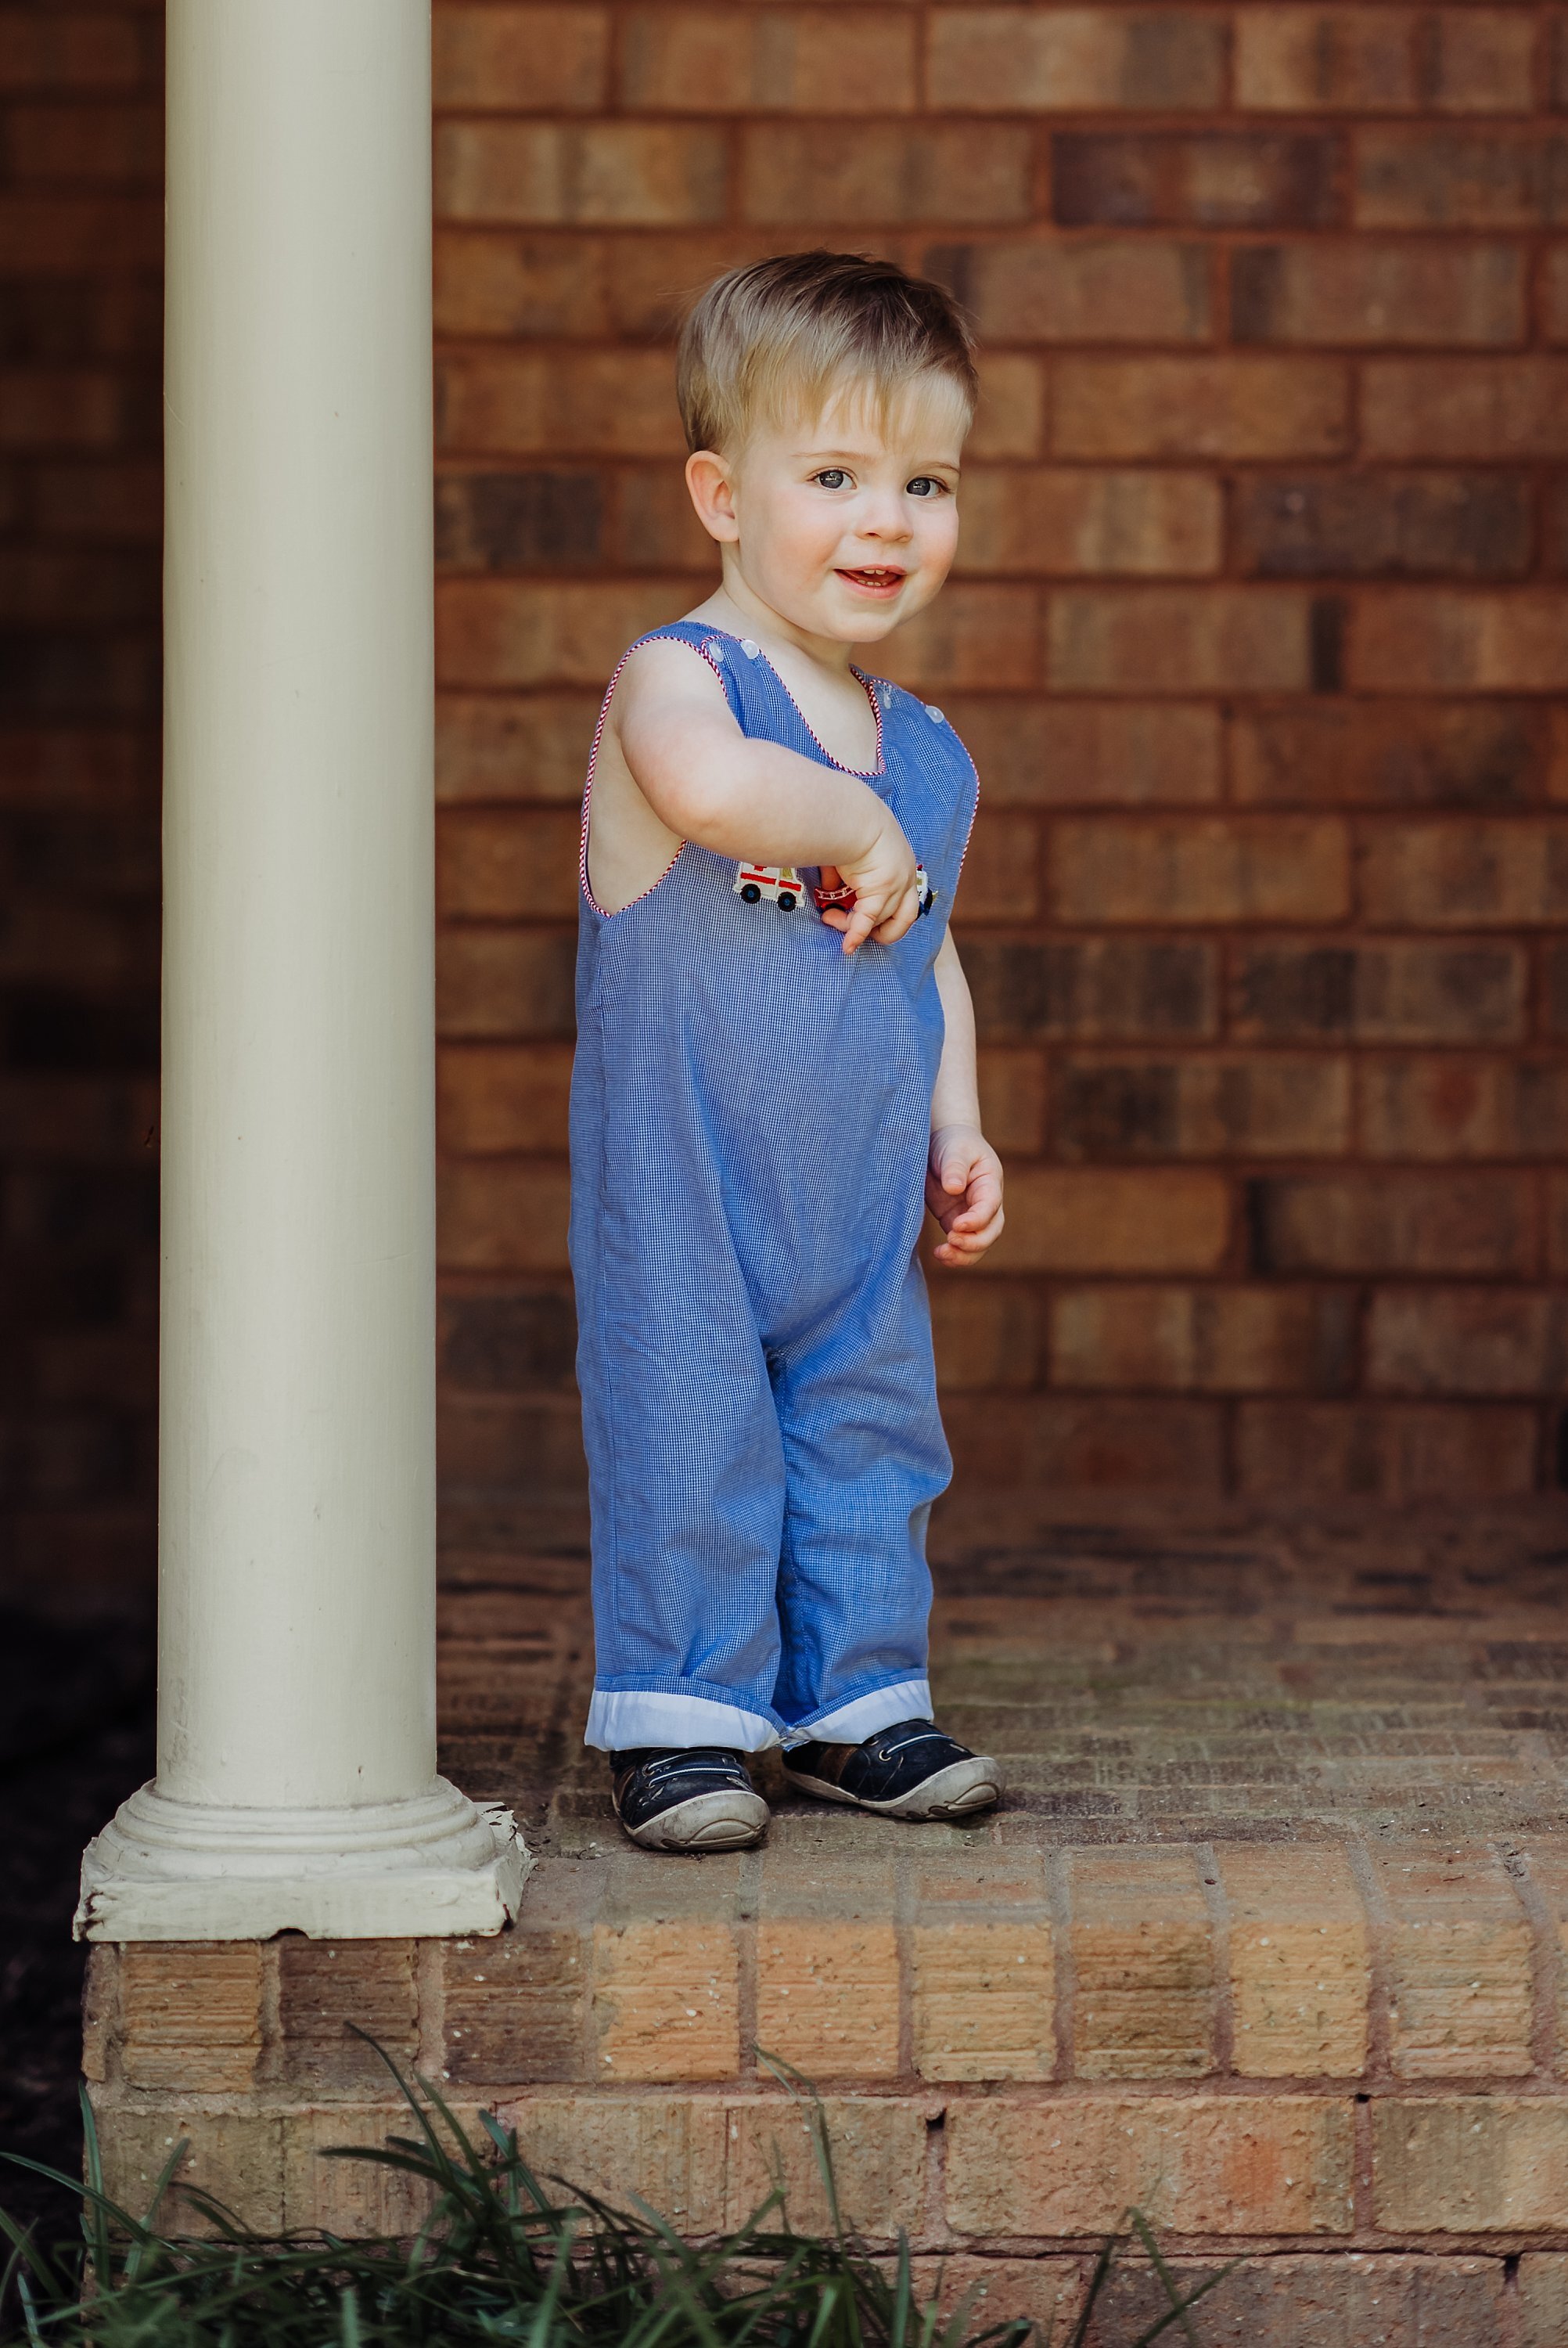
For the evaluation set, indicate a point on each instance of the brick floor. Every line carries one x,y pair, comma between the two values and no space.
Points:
1269,1936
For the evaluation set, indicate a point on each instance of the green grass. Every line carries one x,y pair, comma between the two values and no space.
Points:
500,2260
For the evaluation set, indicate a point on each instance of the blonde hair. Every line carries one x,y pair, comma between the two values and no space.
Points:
781,333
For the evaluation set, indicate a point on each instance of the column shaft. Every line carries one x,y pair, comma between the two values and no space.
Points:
297,1480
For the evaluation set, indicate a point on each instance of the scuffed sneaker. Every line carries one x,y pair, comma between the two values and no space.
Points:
695,1798
908,1771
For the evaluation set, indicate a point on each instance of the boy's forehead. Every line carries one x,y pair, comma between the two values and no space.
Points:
928,412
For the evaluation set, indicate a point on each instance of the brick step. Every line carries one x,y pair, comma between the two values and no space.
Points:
1306,2049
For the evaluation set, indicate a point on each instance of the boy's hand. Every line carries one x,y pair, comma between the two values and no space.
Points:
886,899
964,1191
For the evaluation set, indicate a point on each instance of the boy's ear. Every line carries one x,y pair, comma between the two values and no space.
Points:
713,494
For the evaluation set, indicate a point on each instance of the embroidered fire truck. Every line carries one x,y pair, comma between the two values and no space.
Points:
841,896
781,882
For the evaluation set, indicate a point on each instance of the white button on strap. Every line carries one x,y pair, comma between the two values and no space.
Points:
934,713
751,652
714,648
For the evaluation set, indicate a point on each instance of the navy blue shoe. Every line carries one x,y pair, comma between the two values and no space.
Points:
908,1771
686,1797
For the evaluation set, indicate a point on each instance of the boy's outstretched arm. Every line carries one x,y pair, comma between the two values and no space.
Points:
708,782
964,1179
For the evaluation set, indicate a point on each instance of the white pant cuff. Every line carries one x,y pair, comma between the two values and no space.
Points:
621,1720
853,1723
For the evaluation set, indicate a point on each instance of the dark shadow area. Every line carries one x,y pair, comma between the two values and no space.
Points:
75,1736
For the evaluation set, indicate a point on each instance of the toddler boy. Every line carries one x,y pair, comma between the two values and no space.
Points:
774,1079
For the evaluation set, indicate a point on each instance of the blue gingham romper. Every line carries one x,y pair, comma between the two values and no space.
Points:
750,1124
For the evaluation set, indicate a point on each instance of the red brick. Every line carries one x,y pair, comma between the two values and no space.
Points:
1446,1107
652,278
104,146
54,408
41,234
1470,2164
69,52
1012,1098
948,172
1515,408
619,403
1199,869
1202,1340
1200,407
99,501
1467,875
505,982
601,175
1144,1994
1391,525
494,866
495,747
516,1340
1554,293
1010,420
503,1099
1310,59
999,59
1073,1219
726,60
976,635
1385,60
1237,1106
1461,1986
1096,989
1001,869
1197,2164
1397,754
522,1451
986,1334
1392,1224
504,1217
1091,753
491,285
1100,290
1381,994
542,59
1362,291
1298,1961
1466,1341
1364,1450
533,518
1055,522
1436,641
1060,1443
1471,179
1247,180
516,2006
509,633
654,526
1170,638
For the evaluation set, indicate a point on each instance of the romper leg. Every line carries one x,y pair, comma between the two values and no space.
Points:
687,1488
865,1457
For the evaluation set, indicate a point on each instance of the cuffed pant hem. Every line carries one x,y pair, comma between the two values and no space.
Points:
619,1720
851,1723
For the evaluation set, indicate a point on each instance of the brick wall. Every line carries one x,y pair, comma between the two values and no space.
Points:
1255,634
81,235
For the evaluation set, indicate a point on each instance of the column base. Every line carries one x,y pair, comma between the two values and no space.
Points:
432,1866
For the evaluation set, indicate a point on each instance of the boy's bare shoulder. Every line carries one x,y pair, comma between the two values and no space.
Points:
667,678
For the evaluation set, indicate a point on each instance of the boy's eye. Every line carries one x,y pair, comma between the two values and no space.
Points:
833,477
923,486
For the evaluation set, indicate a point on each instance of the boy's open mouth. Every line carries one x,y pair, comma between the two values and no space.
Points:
876,579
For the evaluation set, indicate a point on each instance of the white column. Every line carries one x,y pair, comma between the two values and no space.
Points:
296,1783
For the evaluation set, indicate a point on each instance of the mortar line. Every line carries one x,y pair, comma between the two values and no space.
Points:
1545,1959
1059,1896
748,1909
1224,2005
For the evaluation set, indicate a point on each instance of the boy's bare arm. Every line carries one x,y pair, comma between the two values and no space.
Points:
964,1180
709,783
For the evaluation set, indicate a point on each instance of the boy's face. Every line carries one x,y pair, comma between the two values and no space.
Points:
844,523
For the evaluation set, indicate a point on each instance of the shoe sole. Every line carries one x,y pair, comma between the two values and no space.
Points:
955,1792
707,1822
